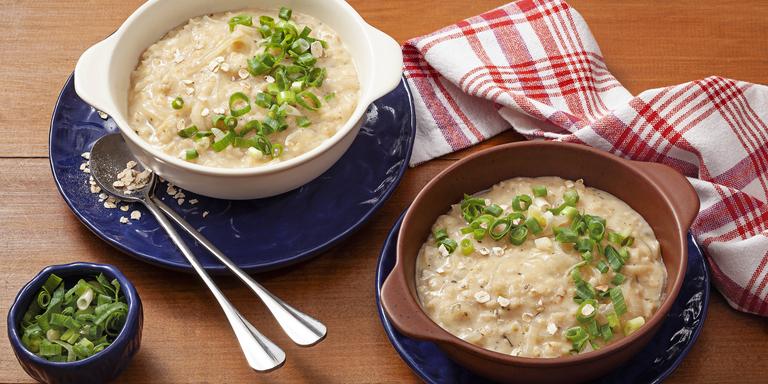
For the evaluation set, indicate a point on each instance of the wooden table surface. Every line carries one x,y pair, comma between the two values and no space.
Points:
646,44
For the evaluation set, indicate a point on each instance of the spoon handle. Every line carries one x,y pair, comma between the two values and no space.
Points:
300,327
260,352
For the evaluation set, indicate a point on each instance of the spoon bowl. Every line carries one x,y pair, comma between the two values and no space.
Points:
109,156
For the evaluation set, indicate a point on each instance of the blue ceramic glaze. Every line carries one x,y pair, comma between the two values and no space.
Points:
258,235
653,364
99,368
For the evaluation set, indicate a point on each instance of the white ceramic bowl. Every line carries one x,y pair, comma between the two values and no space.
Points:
102,78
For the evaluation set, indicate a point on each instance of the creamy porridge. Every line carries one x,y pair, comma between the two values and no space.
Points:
243,89
541,267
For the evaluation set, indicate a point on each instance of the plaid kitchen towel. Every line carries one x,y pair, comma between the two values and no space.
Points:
535,66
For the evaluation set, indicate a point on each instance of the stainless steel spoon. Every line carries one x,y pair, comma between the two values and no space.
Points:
109,157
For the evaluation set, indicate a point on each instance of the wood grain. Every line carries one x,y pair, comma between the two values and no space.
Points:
646,44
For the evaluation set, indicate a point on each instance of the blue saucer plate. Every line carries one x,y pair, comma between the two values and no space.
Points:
652,365
258,235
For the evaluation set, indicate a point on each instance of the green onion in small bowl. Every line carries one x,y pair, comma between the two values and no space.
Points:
76,323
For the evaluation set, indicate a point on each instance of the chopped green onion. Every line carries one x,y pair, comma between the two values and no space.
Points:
84,301
539,191
606,332
188,132
308,100
569,212
633,325
285,13
217,121
493,210
230,122
466,247
615,261
533,225
587,256
621,239
440,234
303,122
587,310
613,320
521,203
618,279
329,96
493,229
242,99
518,234
66,330
277,150
578,337
566,235
223,142
264,100
602,266
240,20
584,245
177,103
571,197
471,207
191,154
596,230
51,283
617,297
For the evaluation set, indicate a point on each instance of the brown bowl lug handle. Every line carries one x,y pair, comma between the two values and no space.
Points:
685,201
404,312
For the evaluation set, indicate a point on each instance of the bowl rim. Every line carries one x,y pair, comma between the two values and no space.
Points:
30,289
444,337
345,11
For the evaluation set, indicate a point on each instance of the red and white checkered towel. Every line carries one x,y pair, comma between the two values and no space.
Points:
534,66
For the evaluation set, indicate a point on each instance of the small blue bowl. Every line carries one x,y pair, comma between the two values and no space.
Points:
99,368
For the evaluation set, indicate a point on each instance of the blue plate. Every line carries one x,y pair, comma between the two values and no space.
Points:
652,365
258,235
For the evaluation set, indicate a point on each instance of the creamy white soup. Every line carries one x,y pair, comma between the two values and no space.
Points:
243,89
541,267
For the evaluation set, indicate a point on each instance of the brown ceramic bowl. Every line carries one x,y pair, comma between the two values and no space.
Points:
661,195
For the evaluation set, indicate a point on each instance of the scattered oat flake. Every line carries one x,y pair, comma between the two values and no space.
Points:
482,297
123,219
180,201
109,205
95,189
135,215
124,208
205,214
551,328
193,201
171,190
86,155
243,73
503,301
103,115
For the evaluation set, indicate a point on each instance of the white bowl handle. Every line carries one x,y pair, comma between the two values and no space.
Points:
388,63
92,77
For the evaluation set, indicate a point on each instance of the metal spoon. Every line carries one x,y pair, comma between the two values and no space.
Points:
300,327
109,156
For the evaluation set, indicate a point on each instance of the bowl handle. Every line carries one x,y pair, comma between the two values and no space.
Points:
685,201
92,77
404,312
387,63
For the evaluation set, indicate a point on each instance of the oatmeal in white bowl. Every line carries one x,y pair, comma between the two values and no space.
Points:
297,126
